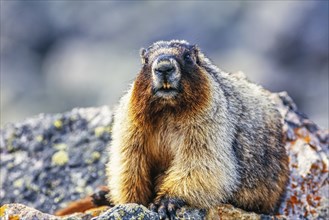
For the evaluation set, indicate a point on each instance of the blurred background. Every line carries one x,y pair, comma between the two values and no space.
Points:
57,55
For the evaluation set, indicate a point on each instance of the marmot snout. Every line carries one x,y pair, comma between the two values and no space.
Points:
166,76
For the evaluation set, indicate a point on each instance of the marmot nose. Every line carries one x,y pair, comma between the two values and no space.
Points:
164,67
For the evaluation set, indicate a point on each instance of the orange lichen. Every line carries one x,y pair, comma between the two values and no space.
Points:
3,210
97,211
304,189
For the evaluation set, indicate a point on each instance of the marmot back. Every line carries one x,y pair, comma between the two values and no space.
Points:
189,133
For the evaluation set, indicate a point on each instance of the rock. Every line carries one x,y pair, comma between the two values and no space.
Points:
16,211
227,212
51,160
127,212
307,194
19,211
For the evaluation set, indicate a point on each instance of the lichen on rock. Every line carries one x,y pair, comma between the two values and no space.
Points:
45,159
60,158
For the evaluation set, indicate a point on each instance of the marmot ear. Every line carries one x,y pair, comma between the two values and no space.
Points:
197,53
142,53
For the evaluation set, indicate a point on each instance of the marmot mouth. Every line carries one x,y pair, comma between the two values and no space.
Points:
166,92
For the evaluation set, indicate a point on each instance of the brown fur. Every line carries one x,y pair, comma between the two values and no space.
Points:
147,112
218,140
87,203
81,205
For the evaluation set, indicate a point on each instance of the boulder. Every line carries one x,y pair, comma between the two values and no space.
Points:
50,160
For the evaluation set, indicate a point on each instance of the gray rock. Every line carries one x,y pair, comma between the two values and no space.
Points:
50,160
22,212
128,212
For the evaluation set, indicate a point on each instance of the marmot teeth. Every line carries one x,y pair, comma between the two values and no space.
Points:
166,86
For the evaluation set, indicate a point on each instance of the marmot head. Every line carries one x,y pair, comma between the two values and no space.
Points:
166,62
172,79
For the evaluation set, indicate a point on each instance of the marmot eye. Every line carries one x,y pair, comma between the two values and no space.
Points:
188,57
146,60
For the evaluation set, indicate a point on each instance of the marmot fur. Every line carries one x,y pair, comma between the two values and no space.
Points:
187,130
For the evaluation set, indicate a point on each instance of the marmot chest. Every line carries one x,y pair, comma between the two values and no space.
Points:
163,144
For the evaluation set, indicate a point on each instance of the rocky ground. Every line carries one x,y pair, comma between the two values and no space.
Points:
51,160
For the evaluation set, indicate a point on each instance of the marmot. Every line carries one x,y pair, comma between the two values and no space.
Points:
187,132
